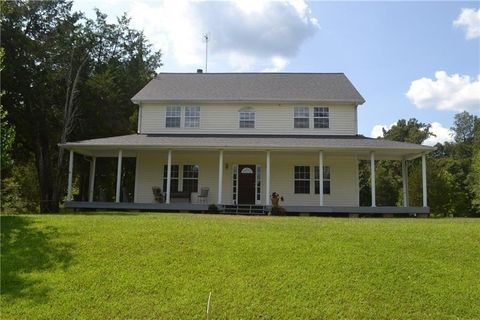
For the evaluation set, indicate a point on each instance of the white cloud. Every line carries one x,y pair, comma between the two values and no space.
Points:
455,92
278,64
441,135
245,35
377,131
469,19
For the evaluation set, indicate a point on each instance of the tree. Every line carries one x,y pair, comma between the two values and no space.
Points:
411,131
7,133
67,76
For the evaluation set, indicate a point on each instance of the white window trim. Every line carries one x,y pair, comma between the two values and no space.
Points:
251,110
258,178
308,117
184,113
166,117
313,118
309,180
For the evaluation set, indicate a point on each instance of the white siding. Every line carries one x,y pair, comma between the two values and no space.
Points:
344,183
269,119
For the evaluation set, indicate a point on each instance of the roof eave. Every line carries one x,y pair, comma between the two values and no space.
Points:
175,101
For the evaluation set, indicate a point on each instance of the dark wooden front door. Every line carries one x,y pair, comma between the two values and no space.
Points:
246,184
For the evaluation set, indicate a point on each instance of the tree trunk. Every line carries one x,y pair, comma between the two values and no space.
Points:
45,173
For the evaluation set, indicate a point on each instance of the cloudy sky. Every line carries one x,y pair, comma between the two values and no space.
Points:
408,59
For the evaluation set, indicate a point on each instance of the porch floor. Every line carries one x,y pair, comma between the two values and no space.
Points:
183,206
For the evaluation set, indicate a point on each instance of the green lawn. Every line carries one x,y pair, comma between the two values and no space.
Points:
164,266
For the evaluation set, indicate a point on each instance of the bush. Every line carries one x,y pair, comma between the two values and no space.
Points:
213,208
20,190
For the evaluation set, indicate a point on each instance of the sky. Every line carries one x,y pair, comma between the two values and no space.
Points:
408,59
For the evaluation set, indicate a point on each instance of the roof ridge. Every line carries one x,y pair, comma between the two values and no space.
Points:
246,73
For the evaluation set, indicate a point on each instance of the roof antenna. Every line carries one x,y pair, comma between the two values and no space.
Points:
206,38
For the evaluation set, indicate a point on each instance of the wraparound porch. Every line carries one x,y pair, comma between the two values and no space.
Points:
277,174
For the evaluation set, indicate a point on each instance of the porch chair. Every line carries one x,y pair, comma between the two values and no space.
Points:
158,194
203,196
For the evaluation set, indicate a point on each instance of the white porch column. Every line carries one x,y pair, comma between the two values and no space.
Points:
169,175
405,182
70,177
424,179
220,176
91,181
119,175
372,177
267,180
320,172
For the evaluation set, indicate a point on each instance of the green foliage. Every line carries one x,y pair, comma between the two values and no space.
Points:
20,190
411,131
474,182
451,174
163,266
58,61
7,136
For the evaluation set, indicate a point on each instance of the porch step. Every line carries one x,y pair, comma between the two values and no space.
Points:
245,209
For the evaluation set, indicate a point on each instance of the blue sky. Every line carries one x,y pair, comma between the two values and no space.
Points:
383,47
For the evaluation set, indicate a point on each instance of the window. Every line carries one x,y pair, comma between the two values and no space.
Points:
301,117
174,178
173,117
190,178
247,118
321,117
258,184
235,183
302,179
247,171
192,117
326,180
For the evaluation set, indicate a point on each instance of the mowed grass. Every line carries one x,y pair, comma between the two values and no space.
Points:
163,266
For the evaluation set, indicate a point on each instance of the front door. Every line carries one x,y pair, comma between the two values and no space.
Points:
246,184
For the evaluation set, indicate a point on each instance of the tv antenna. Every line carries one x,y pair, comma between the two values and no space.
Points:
206,37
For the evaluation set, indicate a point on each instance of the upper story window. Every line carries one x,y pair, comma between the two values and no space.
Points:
192,117
173,118
321,117
301,117
247,118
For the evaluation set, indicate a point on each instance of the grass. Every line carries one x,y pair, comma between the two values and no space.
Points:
106,266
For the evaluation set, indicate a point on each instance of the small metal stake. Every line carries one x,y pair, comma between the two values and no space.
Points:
208,305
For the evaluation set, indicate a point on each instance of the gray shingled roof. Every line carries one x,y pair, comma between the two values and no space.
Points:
250,87
139,141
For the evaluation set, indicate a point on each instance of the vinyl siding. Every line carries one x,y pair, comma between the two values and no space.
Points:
343,170
268,119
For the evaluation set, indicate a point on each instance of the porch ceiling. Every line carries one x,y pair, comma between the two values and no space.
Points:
359,146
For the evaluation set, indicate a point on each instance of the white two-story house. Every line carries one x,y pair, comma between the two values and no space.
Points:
232,139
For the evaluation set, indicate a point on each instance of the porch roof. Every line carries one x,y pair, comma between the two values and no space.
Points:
340,144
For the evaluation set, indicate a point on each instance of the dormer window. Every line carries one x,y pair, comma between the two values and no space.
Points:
321,118
301,117
173,117
247,118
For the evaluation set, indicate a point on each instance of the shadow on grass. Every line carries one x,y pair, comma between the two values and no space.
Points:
26,250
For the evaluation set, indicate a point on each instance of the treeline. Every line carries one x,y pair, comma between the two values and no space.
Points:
65,78
453,170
